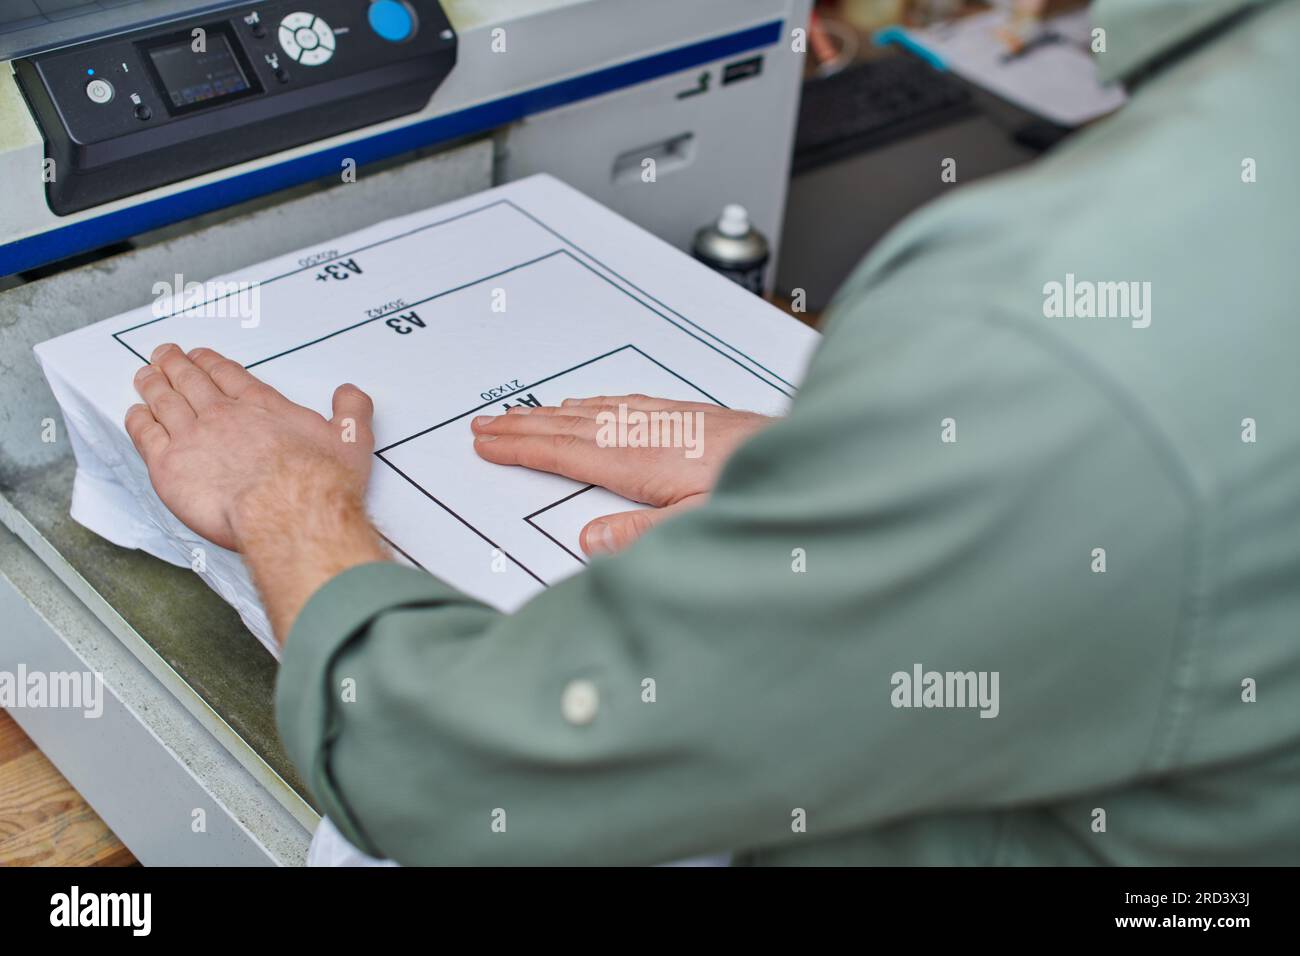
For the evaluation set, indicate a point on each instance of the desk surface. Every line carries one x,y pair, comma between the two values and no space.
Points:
187,636
194,633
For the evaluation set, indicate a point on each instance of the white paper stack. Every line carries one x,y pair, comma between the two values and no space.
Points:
527,293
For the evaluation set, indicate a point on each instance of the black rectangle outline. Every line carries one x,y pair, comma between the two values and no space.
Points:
542,531
470,212
573,494
379,453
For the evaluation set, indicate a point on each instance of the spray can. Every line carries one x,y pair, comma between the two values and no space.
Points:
734,248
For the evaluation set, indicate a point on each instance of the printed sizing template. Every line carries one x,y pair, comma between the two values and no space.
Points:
526,294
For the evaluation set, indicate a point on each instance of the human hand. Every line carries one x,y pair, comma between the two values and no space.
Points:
574,440
225,450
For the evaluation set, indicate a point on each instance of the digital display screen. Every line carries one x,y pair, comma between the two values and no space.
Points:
192,80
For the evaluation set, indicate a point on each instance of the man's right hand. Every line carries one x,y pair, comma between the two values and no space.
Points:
572,440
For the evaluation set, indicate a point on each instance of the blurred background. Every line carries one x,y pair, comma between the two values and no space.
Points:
893,88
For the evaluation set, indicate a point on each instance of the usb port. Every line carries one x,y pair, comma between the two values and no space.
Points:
742,70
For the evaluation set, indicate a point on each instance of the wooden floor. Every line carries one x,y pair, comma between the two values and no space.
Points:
43,821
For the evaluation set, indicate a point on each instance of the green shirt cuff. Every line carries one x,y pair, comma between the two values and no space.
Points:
339,612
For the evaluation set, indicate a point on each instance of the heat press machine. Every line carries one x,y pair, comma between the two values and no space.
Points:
125,161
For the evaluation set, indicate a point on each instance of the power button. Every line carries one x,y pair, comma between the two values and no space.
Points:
392,20
99,91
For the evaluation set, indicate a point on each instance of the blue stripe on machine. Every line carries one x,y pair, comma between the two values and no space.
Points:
111,227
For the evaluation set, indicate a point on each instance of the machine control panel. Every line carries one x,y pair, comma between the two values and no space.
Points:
225,87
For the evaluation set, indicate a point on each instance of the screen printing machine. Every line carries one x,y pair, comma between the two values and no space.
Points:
430,102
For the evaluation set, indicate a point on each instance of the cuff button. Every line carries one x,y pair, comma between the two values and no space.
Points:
579,702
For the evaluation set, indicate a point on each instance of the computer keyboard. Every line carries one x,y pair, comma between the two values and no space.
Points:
871,103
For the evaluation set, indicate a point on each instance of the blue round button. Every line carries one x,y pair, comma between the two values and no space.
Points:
392,20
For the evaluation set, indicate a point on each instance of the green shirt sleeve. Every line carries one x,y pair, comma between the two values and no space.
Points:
844,545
